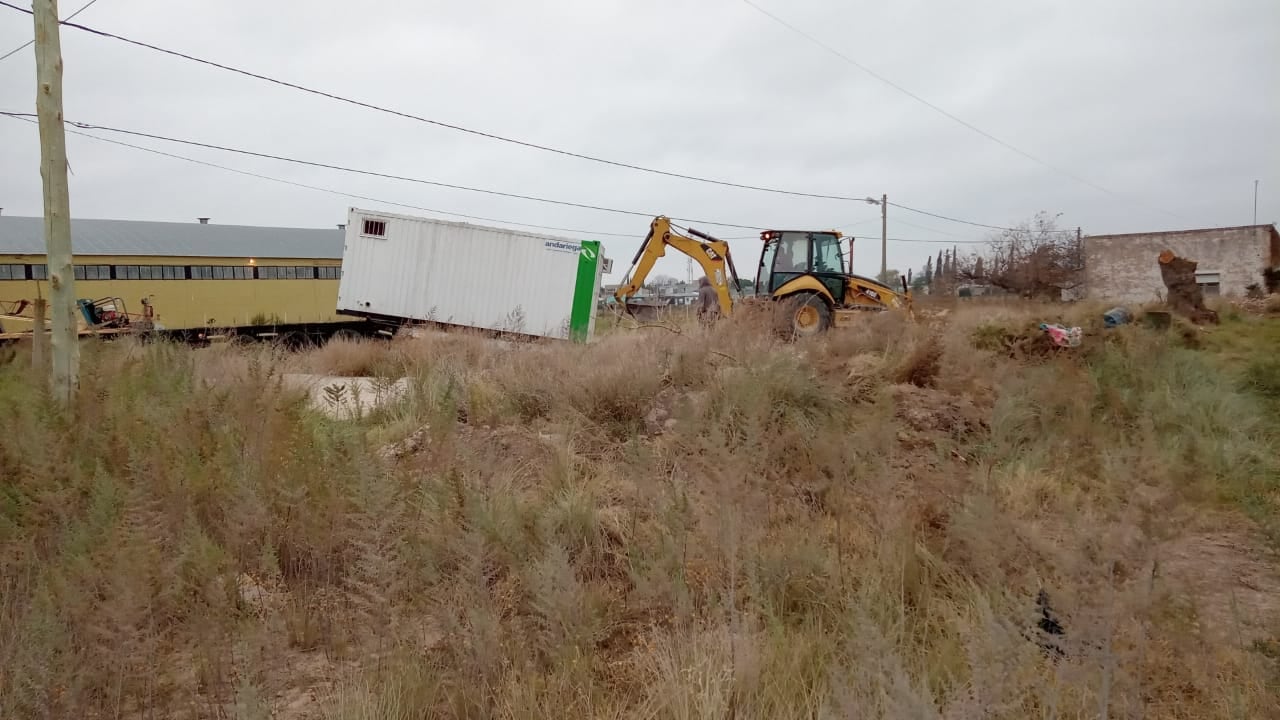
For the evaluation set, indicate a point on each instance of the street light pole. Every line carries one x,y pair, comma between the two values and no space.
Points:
883,202
884,238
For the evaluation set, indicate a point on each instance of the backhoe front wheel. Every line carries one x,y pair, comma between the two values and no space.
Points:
804,315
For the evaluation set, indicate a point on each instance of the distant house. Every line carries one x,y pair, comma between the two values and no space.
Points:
1123,268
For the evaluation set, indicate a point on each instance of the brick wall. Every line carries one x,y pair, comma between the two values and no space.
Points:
1123,268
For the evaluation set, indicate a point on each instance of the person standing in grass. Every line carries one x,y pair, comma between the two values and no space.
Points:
708,301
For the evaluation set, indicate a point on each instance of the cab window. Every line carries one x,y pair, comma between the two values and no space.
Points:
763,286
793,253
826,254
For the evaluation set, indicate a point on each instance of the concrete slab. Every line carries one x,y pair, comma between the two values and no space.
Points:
347,397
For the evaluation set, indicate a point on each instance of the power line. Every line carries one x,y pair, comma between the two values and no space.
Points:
951,219
419,118
341,193
373,173
929,229
458,128
964,222
31,42
938,109
842,226
377,174
920,240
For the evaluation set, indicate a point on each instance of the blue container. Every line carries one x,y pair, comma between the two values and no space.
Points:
1116,316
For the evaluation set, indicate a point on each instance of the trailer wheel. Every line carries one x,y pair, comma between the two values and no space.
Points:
296,340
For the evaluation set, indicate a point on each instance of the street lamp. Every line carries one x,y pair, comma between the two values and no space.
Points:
883,202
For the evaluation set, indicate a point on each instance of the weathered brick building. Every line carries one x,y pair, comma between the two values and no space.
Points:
1123,268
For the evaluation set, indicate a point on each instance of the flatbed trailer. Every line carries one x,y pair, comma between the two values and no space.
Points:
83,333
295,335
292,335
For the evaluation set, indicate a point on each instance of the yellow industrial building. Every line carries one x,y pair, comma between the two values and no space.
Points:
196,276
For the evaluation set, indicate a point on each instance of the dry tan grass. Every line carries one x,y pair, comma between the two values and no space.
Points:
677,522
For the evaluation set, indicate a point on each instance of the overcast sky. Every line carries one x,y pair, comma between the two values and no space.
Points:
1172,106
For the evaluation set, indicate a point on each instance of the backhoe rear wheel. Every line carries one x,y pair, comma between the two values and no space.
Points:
804,315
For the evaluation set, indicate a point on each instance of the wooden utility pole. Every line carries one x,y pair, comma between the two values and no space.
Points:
39,341
57,202
884,238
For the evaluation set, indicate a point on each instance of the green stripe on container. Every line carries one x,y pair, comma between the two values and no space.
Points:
584,290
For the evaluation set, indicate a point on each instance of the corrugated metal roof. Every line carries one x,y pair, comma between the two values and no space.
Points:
25,236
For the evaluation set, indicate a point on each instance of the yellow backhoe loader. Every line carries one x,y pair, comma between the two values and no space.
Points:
802,270
710,253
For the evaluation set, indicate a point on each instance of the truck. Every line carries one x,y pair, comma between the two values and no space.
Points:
400,270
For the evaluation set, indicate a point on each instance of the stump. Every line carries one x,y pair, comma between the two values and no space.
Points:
1185,296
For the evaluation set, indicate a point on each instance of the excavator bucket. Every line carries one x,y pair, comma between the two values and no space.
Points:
643,311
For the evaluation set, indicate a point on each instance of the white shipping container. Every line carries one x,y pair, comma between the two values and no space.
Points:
398,267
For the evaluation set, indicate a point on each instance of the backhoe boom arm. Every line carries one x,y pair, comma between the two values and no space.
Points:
710,253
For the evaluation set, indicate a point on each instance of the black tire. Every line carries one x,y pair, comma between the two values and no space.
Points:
297,341
802,316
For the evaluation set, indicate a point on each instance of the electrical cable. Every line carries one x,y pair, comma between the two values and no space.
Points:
940,110
458,128
372,173
31,42
28,117
951,219
921,240
928,229
332,191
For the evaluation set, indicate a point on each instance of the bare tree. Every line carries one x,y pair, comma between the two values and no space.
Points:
1033,259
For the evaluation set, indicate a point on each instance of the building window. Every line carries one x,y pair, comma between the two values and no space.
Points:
13,272
93,272
201,272
174,272
374,228
39,272
1210,283
329,273
286,272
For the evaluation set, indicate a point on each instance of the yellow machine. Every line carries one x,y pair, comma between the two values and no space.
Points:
802,270
710,253
103,317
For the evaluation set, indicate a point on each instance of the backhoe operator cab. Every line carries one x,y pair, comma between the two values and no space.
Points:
805,272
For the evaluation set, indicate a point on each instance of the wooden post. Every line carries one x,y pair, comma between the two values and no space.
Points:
39,341
57,202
